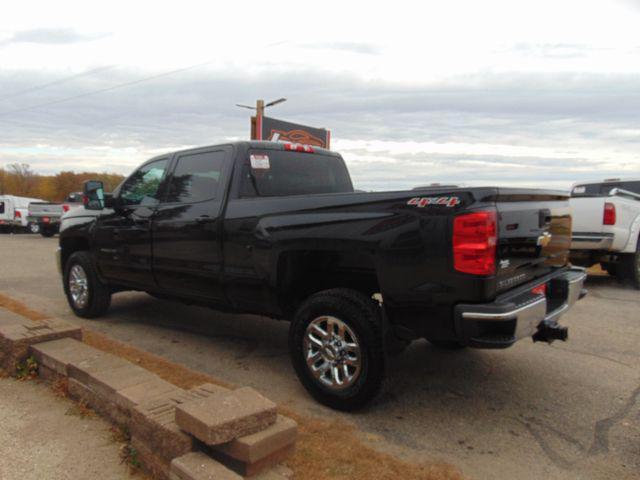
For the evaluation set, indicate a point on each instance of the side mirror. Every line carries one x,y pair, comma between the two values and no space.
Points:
93,192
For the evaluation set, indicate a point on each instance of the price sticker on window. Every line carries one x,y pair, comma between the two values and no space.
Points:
260,162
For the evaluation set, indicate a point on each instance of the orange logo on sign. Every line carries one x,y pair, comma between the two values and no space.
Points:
295,136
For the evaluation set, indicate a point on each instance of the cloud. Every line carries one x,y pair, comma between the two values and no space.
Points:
52,36
352,47
520,129
554,50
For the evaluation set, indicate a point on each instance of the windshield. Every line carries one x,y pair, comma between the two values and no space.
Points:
268,173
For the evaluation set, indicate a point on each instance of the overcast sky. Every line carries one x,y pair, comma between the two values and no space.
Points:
499,92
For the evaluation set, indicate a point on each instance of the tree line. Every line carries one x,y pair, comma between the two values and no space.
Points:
20,180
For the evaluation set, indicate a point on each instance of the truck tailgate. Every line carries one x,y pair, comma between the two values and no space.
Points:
534,235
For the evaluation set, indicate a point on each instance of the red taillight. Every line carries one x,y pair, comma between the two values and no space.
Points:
474,243
609,217
65,208
298,147
540,289
17,214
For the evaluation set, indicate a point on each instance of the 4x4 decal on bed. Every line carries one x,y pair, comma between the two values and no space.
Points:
422,202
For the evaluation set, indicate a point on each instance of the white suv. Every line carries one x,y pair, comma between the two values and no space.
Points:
606,227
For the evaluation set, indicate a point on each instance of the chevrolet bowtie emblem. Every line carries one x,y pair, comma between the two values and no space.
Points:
544,239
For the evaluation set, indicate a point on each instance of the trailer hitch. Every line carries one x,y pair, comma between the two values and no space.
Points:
550,331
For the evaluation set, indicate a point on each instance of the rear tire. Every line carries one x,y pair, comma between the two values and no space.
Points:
88,297
47,232
610,268
336,347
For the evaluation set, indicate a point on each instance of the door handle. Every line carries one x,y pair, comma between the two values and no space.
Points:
204,219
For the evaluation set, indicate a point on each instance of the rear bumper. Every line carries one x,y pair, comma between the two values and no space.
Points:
53,221
521,313
591,241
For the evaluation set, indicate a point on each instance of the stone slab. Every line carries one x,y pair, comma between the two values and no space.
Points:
252,448
199,466
225,416
58,354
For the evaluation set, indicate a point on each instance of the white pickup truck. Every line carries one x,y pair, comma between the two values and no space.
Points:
14,212
606,227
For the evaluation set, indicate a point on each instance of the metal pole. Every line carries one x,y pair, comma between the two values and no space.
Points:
259,115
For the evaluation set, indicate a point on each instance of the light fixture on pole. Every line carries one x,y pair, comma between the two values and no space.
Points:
259,108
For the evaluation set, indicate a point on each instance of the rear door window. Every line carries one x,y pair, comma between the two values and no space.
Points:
281,173
196,177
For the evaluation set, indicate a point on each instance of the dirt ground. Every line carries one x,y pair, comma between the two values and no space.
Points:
566,411
43,436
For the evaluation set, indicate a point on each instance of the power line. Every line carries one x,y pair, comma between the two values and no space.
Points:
102,90
55,82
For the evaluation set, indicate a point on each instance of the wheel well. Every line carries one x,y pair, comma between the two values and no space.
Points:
71,245
301,274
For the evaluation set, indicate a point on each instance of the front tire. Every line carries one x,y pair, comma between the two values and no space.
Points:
336,347
88,297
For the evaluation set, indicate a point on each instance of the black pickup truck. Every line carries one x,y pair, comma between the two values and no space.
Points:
278,230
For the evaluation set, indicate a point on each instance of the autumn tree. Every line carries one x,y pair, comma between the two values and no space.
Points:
19,179
23,178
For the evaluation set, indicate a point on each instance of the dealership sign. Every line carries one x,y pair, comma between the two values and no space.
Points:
266,128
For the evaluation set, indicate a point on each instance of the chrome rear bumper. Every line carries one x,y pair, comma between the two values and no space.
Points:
502,323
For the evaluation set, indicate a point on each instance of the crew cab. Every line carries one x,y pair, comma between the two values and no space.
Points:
277,230
606,227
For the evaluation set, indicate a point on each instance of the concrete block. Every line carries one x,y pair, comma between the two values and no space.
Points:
7,317
255,447
101,405
58,354
251,469
225,416
107,382
83,369
130,397
152,463
153,420
278,472
153,423
16,338
199,466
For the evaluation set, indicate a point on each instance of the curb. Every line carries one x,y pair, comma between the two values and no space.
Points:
203,433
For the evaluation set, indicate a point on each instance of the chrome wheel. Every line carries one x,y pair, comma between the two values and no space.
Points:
332,352
78,286
34,228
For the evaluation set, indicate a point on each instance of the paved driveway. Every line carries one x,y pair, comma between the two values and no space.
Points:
565,411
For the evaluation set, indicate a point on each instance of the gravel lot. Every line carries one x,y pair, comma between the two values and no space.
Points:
566,411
